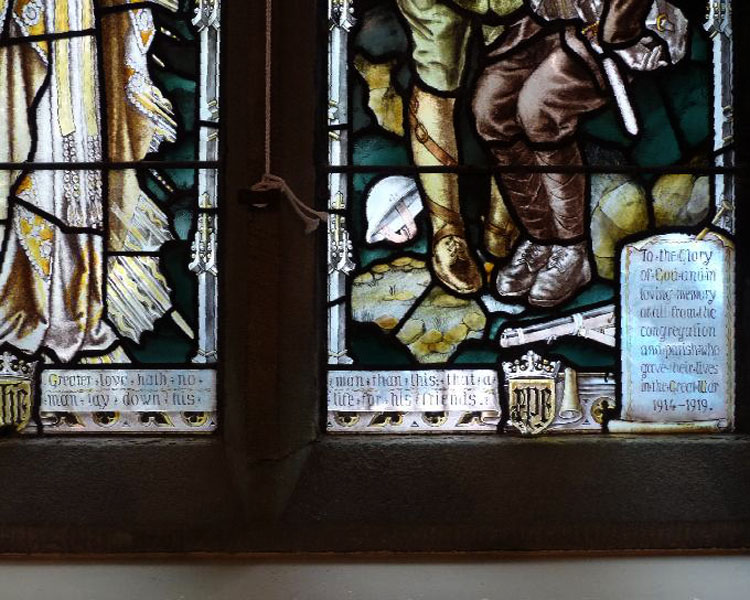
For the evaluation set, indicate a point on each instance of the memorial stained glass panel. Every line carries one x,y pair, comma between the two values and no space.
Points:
532,215
108,267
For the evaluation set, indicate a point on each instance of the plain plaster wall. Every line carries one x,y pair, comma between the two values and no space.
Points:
657,578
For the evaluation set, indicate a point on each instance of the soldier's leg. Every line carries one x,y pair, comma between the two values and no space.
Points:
439,38
496,105
550,105
433,142
496,111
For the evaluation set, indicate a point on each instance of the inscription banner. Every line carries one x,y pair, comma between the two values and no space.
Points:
413,391
92,390
677,318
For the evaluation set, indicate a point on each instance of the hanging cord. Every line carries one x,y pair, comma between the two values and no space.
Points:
269,182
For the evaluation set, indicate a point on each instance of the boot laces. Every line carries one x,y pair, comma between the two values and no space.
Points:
454,247
528,253
558,257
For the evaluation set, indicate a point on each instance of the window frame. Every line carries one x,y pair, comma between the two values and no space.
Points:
271,480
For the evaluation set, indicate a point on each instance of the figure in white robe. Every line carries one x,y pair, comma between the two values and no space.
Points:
55,285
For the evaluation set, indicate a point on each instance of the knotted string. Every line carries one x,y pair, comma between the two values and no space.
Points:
269,181
309,216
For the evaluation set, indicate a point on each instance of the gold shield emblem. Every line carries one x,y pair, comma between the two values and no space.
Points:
532,404
531,384
16,394
15,402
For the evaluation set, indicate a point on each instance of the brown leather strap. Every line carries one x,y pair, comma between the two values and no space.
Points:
441,212
424,138
453,222
408,228
447,230
496,229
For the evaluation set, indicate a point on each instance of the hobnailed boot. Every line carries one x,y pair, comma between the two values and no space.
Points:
500,232
433,141
567,270
518,276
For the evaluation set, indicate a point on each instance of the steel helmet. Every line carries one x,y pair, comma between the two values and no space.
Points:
391,206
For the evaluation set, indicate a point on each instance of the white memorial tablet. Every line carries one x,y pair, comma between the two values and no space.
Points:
677,319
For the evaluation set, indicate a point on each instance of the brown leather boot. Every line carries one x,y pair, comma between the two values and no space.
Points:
518,276
567,270
454,264
452,260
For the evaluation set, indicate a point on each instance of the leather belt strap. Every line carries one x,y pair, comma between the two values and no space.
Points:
452,219
488,224
408,229
424,138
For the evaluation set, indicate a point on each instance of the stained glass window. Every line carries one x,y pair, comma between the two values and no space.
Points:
108,272
532,211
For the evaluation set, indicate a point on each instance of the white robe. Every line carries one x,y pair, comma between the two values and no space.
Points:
52,262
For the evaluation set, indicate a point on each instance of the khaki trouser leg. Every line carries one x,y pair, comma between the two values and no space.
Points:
433,139
439,36
433,143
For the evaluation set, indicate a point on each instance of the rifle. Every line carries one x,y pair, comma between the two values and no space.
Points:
597,324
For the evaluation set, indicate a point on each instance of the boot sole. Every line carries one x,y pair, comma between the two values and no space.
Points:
453,290
548,303
518,294
545,303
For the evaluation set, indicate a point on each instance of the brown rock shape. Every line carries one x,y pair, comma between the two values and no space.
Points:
442,347
604,236
700,201
363,279
671,195
403,296
432,337
444,300
401,261
419,349
622,210
626,206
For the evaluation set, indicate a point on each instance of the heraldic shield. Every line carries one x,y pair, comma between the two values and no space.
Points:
532,397
15,391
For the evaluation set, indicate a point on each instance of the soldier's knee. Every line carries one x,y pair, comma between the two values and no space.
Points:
492,112
541,123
